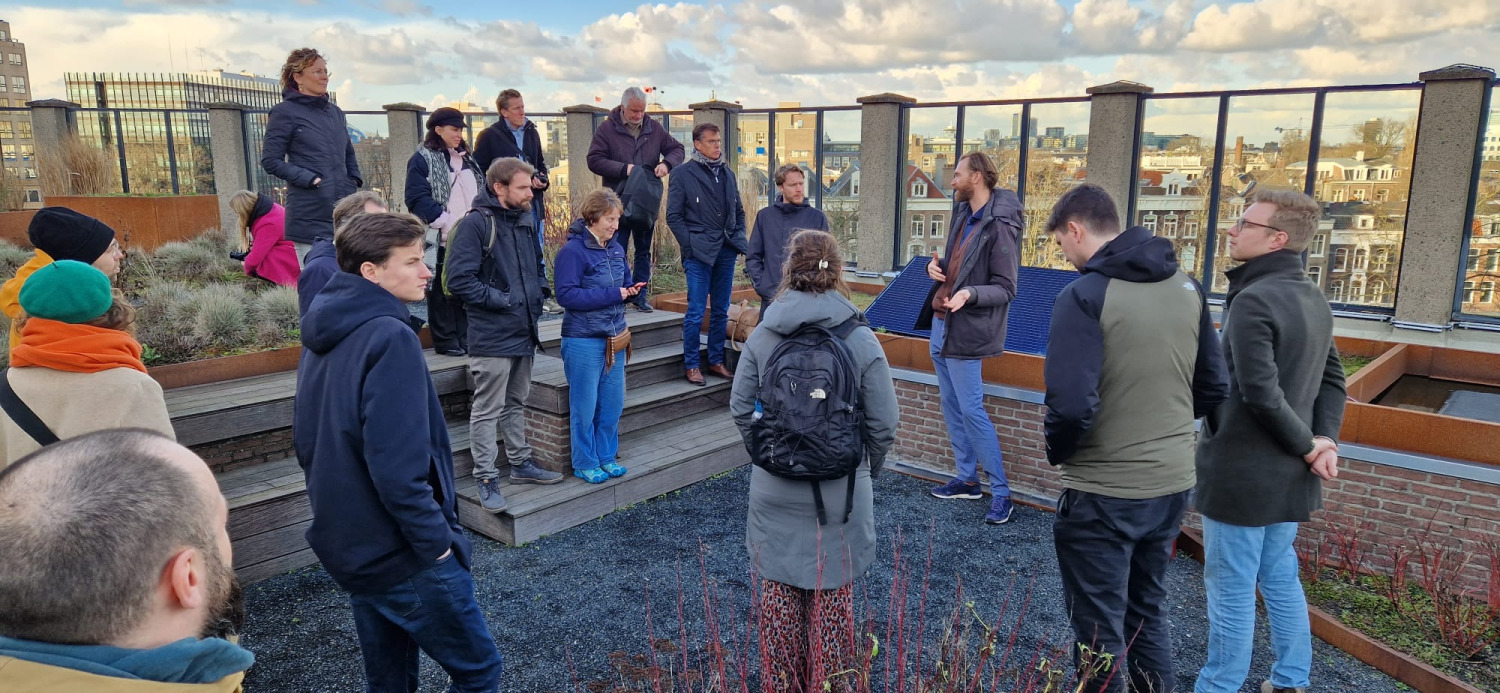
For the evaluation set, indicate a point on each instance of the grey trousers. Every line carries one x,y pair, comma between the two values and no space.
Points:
500,389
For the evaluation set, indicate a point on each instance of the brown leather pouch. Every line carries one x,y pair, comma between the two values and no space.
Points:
616,343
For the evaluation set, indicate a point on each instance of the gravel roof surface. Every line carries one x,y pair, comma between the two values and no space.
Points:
560,606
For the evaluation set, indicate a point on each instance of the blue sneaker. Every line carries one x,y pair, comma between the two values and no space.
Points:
613,470
593,476
1000,510
958,489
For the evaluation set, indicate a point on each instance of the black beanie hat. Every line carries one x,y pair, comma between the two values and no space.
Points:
64,234
445,116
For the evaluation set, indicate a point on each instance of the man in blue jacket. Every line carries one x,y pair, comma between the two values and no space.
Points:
773,228
1132,360
371,439
492,261
706,215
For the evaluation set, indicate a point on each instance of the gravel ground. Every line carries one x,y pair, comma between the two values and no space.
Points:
582,594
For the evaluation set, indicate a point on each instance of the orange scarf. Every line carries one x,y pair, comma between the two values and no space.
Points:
75,348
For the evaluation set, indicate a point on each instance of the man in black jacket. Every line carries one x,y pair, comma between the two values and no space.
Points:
515,136
966,311
492,259
627,140
706,215
374,448
773,228
1132,359
1266,450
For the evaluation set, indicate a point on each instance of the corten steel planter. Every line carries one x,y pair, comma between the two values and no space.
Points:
144,223
224,368
1418,431
1394,663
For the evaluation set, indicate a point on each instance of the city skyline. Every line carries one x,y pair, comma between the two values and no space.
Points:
382,51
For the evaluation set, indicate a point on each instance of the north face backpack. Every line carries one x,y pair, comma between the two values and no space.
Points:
808,425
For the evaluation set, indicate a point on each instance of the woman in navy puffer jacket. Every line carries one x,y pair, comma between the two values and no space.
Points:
307,145
593,284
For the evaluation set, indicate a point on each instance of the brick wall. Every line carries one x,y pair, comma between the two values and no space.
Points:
1388,506
548,435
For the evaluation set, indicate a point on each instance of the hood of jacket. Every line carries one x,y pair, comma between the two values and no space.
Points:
789,208
580,232
189,660
345,304
1136,255
321,248
793,309
291,94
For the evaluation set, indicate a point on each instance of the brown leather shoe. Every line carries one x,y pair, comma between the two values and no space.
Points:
695,376
720,370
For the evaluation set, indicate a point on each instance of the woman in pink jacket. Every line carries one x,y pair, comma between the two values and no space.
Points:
263,244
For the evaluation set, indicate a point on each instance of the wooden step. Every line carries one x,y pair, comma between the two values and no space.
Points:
232,408
648,366
661,459
646,329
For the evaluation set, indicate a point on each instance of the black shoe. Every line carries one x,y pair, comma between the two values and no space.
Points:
452,352
644,306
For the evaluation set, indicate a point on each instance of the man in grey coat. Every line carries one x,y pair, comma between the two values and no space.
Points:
1265,451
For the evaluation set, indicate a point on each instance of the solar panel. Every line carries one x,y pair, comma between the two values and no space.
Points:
897,307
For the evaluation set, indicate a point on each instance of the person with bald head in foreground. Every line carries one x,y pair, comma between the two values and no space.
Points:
115,570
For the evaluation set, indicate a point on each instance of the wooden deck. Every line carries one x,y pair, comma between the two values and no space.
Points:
673,434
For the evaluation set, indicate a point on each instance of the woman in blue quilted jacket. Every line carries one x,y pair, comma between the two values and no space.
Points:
593,284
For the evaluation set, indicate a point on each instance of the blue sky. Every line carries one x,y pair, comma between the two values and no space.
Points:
817,52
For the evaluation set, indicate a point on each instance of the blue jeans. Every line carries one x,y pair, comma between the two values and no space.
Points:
435,612
708,286
970,429
595,400
1236,559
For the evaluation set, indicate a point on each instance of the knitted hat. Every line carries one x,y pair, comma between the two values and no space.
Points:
67,291
64,234
445,116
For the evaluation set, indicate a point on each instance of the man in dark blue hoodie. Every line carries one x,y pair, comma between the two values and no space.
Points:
773,228
1132,360
371,439
320,264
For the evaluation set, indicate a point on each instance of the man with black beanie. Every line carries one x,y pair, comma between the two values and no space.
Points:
59,233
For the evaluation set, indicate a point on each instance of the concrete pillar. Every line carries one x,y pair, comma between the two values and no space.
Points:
880,168
1442,178
406,132
51,124
226,137
723,114
580,120
1114,130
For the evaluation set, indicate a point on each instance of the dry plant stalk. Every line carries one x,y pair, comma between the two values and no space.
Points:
78,168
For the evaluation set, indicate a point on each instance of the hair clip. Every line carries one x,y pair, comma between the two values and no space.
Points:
822,264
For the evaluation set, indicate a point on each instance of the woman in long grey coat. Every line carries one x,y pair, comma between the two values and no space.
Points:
807,570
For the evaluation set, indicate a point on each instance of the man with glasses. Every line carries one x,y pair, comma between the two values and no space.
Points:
628,141
515,136
1264,452
705,214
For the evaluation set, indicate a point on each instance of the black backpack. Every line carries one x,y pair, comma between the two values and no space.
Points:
808,425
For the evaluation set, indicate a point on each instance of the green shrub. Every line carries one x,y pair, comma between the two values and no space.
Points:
11,258
164,319
277,308
188,261
224,316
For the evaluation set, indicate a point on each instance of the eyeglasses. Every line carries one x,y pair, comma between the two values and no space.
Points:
1243,222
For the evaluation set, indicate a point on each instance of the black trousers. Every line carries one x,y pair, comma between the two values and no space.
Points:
1113,555
446,319
641,235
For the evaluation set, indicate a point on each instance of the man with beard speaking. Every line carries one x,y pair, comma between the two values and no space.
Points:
115,568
